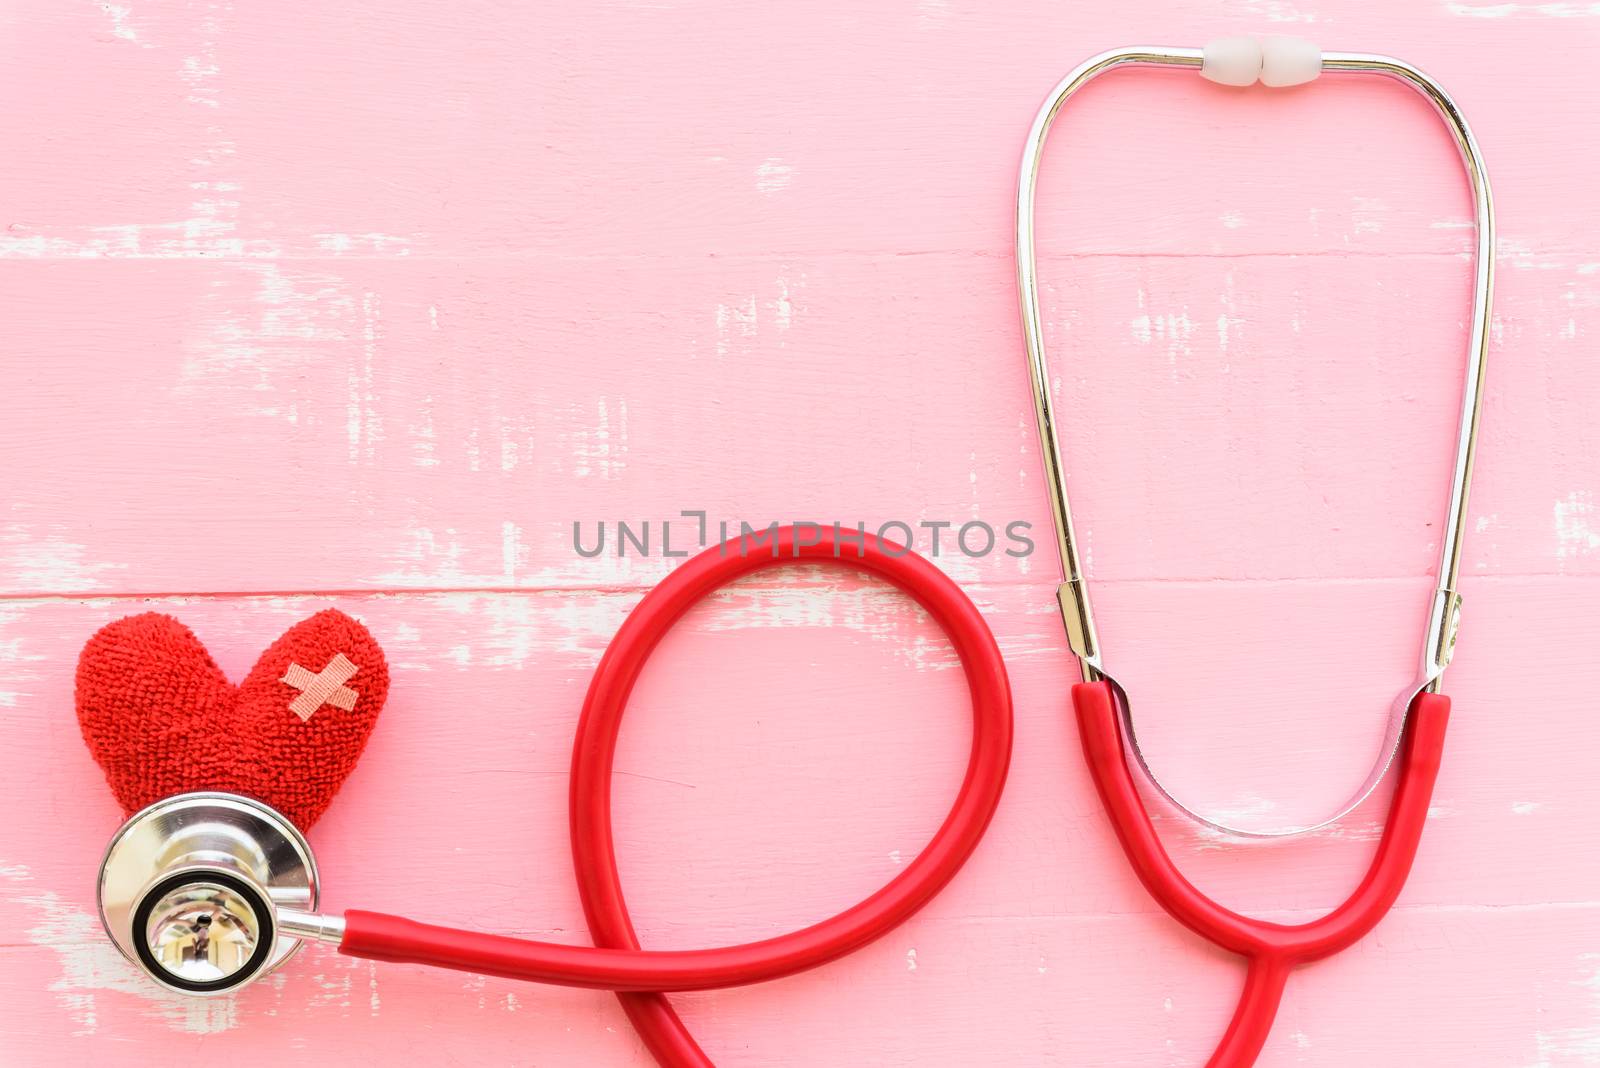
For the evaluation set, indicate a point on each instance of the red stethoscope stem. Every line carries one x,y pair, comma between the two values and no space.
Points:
616,961
1272,949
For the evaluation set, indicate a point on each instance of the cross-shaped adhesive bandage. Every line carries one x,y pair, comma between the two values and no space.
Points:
324,687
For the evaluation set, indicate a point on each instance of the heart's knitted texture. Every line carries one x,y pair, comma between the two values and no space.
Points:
162,719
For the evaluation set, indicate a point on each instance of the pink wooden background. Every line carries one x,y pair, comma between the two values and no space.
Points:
364,303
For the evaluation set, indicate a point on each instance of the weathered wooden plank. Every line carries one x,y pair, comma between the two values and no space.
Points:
368,424
616,129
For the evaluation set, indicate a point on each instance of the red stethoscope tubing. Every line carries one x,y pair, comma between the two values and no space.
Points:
616,961
1272,949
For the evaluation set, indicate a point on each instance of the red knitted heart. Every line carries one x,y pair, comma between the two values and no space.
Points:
162,719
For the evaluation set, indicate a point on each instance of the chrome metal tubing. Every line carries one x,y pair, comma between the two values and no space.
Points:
311,927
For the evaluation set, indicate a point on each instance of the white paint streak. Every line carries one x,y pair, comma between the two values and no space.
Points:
200,70
1575,535
933,14
51,563
239,355
1526,808
600,445
1522,255
211,229
742,319
773,176
1279,11
333,991
90,966
1576,1045
363,422
120,26
1175,329
424,445
362,244
1368,215
1501,11
1248,810
15,669
512,631
259,362
783,306
1227,320
210,232
510,549
811,596
434,559
735,321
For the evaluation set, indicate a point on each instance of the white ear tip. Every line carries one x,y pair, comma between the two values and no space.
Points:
1232,61
1289,61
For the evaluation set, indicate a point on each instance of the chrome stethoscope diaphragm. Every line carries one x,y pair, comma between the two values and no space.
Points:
207,892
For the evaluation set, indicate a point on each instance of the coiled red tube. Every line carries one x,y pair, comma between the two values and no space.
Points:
617,962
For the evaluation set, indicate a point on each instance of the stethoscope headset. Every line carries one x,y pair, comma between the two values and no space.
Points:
1415,737
224,863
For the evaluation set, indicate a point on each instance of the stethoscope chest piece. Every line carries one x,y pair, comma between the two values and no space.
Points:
190,890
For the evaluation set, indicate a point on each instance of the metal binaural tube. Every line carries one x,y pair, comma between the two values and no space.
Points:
311,926
1073,594
1077,614
1440,642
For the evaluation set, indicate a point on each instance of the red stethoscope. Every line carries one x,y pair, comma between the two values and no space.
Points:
232,868
1105,719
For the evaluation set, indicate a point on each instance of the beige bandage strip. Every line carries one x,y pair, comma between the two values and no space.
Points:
324,687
